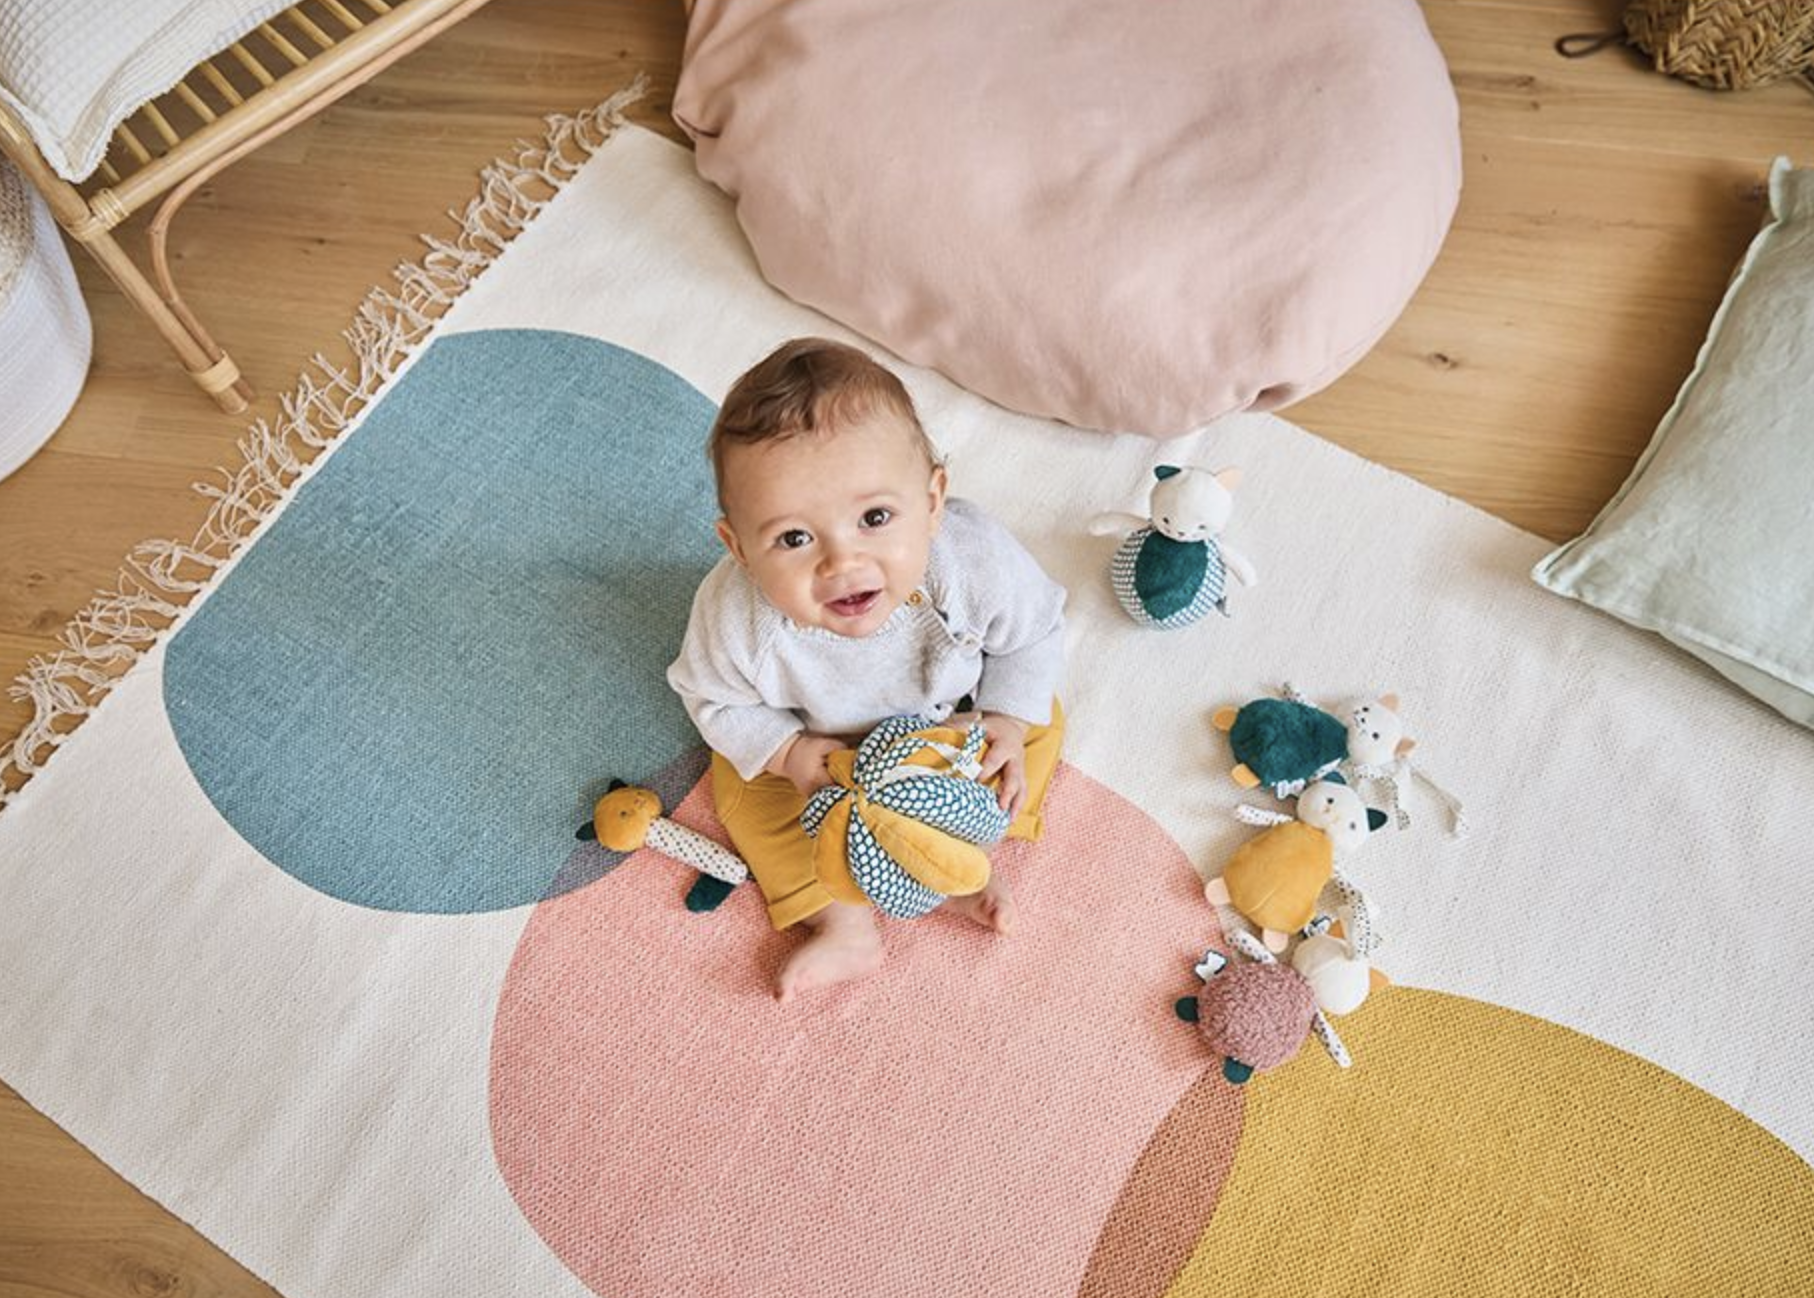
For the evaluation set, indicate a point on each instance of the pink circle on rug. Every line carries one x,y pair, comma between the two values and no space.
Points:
963,1122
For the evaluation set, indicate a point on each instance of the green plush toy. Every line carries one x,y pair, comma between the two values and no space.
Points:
1284,743
1173,567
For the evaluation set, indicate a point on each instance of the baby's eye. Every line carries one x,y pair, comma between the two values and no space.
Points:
794,538
877,517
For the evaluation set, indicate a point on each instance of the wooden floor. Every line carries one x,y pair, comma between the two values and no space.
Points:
1604,208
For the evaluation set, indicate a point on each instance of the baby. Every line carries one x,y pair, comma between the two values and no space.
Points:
855,591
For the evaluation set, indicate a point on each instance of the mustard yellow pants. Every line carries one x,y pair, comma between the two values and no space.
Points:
762,817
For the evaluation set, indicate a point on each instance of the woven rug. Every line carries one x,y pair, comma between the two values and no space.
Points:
295,932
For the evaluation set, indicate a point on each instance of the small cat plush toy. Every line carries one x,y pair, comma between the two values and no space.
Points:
1174,567
1274,879
1284,743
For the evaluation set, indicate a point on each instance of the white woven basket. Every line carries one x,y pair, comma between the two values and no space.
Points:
45,337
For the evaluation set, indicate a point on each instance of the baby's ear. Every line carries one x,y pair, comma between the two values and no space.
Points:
731,542
941,481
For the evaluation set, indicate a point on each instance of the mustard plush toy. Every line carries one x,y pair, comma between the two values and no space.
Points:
905,823
629,818
1275,879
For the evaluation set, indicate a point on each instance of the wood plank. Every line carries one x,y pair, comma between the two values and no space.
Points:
1602,212
71,1226
1533,399
1513,85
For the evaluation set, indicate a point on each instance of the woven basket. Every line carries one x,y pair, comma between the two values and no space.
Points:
1725,44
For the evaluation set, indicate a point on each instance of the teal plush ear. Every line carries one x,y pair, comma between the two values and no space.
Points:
706,894
1376,819
1335,777
1236,1072
1186,1008
1165,471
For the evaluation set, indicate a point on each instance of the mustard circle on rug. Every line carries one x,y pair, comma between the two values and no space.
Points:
1476,1150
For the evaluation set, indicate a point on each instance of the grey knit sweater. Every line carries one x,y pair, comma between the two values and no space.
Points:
986,622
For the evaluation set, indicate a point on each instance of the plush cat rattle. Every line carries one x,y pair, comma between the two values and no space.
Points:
1174,567
905,822
1284,743
628,818
1275,879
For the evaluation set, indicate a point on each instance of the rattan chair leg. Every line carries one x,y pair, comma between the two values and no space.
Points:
213,371
91,225
156,237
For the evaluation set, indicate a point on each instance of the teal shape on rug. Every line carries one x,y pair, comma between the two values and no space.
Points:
409,691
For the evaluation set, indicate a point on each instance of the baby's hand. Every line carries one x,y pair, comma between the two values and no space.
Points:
1006,755
802,760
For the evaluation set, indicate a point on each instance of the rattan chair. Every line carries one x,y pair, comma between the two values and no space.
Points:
231,103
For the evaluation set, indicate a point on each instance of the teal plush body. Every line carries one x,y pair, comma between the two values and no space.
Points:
1285,742
1167,583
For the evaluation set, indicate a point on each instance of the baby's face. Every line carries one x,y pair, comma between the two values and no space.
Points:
834,527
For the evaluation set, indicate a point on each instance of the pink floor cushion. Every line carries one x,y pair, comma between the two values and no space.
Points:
1133,216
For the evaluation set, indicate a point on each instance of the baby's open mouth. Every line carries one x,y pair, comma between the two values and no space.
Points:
854,605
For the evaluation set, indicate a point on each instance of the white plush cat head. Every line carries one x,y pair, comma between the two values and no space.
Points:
1192,504
1376,734
1338,811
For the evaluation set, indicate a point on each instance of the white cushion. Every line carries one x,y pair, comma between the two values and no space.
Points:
1710,542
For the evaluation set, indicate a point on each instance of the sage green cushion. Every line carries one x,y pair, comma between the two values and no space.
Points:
1710,542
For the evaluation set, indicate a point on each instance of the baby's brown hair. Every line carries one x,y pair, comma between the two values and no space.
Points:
804,386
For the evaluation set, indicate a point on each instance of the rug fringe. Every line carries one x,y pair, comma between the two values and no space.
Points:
159,578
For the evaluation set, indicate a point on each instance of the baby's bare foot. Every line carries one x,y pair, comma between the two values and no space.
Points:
993,907
844,945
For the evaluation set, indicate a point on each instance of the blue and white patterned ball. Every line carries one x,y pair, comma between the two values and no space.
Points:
946,801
